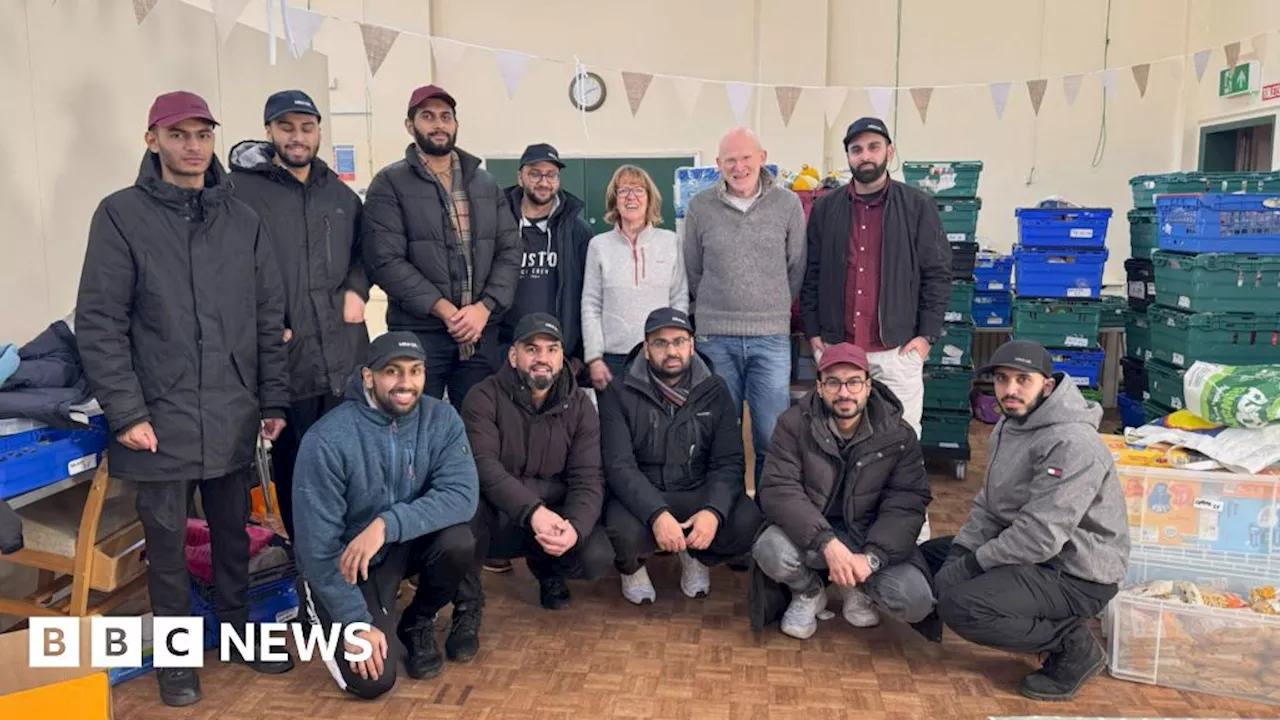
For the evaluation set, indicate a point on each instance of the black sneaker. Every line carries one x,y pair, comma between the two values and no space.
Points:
463,641
1066,669
266,667
554,593
422,654
179,687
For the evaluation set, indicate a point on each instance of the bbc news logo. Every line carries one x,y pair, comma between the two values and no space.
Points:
178,642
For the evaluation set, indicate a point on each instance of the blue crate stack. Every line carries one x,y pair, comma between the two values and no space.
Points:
993,290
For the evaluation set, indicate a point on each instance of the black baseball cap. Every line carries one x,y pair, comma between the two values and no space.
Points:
1023,355
667,317
394,346
867,124
541,152
537,324
287,101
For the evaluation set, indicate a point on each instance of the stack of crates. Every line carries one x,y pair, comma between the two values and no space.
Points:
949,369
993,294
1058,264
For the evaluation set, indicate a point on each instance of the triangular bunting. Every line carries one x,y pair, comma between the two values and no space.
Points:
143,8
447,52
636,85
226,13
1036,88
300,26
1202,62
1000,97
1260,46
1109,77
377,43
687,90
834,102
1141,74
513,64
880,98
788,96
1233,53
739,95
1071,88
921,96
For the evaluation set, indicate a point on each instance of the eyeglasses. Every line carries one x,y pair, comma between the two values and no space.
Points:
538,176
679,343
833,385
638,192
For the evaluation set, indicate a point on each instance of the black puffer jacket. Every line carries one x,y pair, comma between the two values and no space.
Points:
315,233
179,319
649,450
406,234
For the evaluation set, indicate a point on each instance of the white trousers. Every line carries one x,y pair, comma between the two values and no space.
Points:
904,375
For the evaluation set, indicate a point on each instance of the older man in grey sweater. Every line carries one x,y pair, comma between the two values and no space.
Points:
739,236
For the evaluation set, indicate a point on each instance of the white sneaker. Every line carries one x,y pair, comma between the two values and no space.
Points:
925,532
637,588
695,578
801,619
859,610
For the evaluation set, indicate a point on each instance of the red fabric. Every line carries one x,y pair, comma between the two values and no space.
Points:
200,551
862,272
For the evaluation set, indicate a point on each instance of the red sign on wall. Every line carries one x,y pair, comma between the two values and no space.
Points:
1270,92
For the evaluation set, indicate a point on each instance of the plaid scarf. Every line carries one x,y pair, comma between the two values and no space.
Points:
677,395
461,270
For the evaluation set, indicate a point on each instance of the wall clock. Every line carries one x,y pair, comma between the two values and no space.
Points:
587,92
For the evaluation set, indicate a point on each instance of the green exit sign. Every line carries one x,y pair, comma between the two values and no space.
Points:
1239,80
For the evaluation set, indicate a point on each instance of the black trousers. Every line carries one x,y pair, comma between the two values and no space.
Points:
299,417
445,371
633,539
1019,608
439,560
162,508
498,538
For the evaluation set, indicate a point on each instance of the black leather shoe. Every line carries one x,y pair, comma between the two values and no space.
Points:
554,593
1066,669
179,687
422,654
464,634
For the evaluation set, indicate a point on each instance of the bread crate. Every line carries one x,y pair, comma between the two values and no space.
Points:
1056,323
1137,335
952,179
959,218
1062,227
960,307
1216,222
1214,282
1181,338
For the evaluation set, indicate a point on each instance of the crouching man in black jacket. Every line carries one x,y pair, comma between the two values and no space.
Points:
674,462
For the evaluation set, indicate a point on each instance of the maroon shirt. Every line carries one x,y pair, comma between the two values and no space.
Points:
862,271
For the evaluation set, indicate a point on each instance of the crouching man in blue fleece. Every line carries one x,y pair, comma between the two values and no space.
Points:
385,488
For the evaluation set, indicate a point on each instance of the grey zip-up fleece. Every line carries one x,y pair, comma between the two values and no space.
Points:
1052,494
744,267
622,283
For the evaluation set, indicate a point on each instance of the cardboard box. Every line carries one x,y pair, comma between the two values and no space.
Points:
25,692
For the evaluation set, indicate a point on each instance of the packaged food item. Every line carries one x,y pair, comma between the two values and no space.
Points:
1153,456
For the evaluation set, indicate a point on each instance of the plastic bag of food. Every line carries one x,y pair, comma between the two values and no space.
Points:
1244,396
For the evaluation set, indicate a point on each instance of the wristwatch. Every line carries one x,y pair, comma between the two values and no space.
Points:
874,561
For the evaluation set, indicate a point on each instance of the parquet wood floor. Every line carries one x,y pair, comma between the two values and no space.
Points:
686,660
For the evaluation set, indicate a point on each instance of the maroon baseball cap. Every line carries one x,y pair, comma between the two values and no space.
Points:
426,92
842,353
172,108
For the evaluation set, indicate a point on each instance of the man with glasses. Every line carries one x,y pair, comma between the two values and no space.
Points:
673,462
845,490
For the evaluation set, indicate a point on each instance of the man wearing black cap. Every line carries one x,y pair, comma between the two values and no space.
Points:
179,322
314,222
675,463
537,443
1047,541
439,237
386,488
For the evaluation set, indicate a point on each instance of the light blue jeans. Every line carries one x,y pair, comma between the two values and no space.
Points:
757,369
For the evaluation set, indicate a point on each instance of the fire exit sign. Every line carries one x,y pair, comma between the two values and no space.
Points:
1239,80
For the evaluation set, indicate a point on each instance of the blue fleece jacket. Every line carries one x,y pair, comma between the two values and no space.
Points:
357,464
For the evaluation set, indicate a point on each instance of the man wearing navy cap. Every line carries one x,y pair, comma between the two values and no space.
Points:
314,222
674,462
441,240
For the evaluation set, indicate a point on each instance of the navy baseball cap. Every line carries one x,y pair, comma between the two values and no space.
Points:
867,124
287,101
537,324
667,318
394,346
541,152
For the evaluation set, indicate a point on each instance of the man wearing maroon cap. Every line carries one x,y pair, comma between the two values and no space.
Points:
440,238
845,490
180,321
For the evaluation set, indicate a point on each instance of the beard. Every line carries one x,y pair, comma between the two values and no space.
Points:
538,382
847,411
428,146
867,175
540,198
287,158
1022,412
388,406
662,372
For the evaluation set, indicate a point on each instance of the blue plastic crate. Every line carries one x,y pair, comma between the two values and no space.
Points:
36,458
1131,413
1220,222
1058,273
992,271
272,602
993,309
1063,227
1084,366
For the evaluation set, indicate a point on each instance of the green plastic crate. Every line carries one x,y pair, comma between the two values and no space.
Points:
1164,385
1180,338
1137,335
1217,282
1093,394
947,388
952,179
1152,411
959,217
960,308
1145,188
1057,323
1144,233
945,429
1114,308
954,347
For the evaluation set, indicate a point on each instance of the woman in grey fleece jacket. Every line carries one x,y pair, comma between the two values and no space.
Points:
632,270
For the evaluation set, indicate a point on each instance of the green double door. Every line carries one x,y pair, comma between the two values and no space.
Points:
588,178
